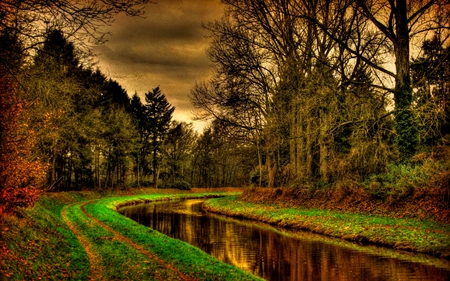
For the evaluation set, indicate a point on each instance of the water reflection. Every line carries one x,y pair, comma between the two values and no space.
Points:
268,253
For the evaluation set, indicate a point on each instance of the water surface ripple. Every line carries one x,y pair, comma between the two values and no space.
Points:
276,255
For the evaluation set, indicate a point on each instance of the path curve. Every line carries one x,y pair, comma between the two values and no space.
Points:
138,247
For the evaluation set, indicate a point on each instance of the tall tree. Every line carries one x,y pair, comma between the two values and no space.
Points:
158,115
81,21
397,23
21,175
284,72
431,80
178,147
221,158
55,99
138,113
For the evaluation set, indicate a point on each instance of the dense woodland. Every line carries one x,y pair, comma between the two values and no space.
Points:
304,94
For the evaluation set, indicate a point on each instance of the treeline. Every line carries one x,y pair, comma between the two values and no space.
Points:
304,93
91,134
83,130
326,91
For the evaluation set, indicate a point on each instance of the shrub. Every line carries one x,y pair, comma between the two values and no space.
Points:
400,181
181,185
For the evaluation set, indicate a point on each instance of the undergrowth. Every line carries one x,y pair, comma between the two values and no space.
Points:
400,180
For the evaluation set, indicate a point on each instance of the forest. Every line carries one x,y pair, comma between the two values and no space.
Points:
304,94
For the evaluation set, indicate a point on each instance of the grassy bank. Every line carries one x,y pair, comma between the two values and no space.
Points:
402,234
79,236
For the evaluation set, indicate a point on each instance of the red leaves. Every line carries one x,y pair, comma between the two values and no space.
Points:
20,176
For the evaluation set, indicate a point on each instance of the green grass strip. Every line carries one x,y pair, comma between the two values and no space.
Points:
41,246
116,260
37,243
403,234
185,257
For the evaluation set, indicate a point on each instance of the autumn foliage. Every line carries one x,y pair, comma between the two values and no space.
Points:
21,177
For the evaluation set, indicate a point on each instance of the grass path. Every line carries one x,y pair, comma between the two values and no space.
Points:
96,272
141,249
80,236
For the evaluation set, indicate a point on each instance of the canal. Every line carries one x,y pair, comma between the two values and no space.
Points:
281,255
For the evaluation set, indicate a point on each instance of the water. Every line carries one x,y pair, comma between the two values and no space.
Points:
275,255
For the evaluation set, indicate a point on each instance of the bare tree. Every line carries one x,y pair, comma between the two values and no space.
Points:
398,23
82,22
303,66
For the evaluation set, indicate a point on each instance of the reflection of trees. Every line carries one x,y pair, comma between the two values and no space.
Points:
275,256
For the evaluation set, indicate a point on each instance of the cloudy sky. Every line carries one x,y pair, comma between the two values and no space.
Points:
166,49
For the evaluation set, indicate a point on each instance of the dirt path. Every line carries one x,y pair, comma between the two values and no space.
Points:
95,269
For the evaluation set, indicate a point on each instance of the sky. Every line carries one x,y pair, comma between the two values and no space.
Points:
166,48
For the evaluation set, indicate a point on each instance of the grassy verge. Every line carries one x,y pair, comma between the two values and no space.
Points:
187,258
37,243
402,234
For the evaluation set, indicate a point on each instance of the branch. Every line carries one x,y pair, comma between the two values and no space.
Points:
343,44
422,10
386,31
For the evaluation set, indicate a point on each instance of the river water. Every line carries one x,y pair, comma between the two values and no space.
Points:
280,255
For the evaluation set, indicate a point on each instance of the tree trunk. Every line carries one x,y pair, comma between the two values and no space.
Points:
155,172
405,125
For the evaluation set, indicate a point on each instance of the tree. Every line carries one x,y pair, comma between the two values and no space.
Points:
120,139
89,133
138,114
59,99
221,158
178,147
81,21
157,118
431,81
21,175
288,83
397,23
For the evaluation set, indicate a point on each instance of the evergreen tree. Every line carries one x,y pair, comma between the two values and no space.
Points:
138,113
158,115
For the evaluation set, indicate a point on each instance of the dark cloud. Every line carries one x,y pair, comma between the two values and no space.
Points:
166,49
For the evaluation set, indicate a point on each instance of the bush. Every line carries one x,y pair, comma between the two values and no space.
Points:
400,180
181,185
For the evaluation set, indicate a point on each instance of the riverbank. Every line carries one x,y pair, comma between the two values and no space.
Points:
79,236
405,234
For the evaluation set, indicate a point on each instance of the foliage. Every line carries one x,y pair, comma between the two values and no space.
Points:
156,118
46,100
30,20
400,180
21,176
89,134
307,83
431,76
221,159
181,185
179,152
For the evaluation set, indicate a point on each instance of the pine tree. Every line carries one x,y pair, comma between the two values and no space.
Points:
158,115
